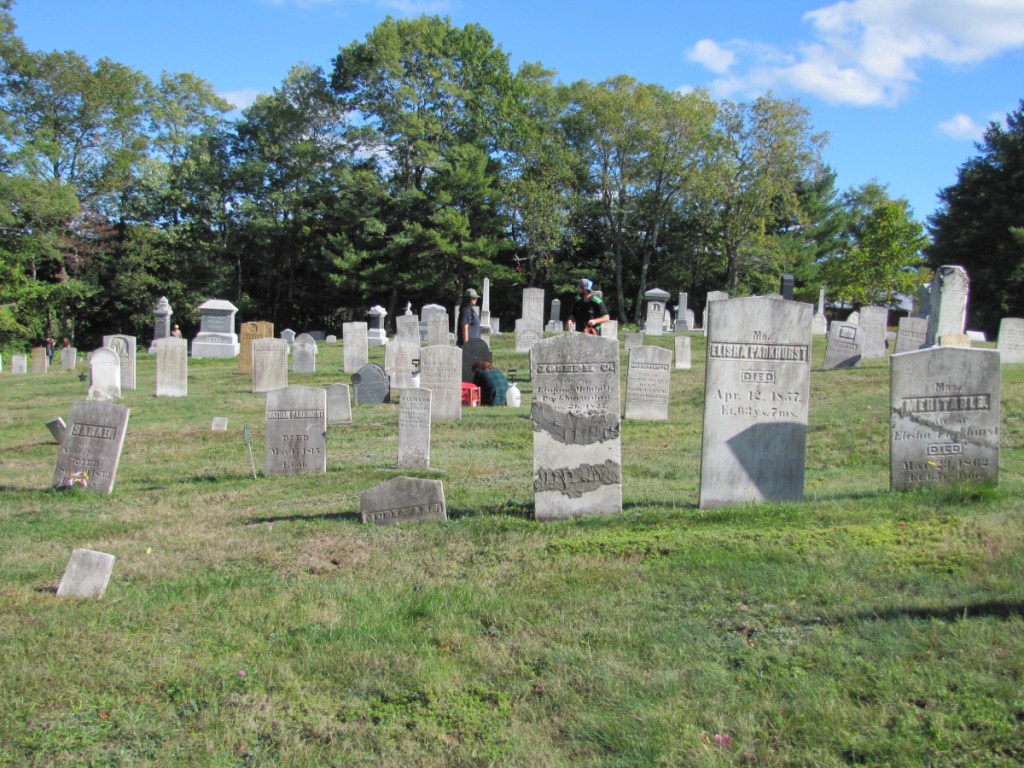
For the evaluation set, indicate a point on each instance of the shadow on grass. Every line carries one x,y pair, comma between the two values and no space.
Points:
299,518
522,509
999,609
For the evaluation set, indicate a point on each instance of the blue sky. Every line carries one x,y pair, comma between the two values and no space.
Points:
903,87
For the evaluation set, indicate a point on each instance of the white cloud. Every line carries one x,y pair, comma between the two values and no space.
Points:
868,52
240,99
962,128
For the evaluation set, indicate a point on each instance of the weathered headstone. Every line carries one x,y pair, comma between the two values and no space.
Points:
104,374
526,335
407,329
441,373
57,428
19,364
91,450
633,341
296,431
681,306
398,362
533,309
473,350
304,353
269,364
437,329
577,461
69,358
944,405
288,335
371,385
216,337
610,329
844,347
425,312
86,575
947,312
161,321
1011,340
414,428
712,296
485,307
910,334
40,362
757,386
125,346
648,381
403,500
874,320
249,332
656,299
339,404
219,424
684,360
377,335
356,347
555,324
171,367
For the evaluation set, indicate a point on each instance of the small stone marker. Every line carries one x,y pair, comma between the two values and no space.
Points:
414,428
40,362
296,431
947,313
331,339
69,358
404,500
873,321
269,364
356,349
86,574
371,385
57,428
533,310
304,353
844,347
757,390
220,424
577,462
648,381
407,329
610,329
910,334
441,373
944,405
250,331
526,335
684,358
1011,340
171,367
473,350
339,404
126,348
398,365
19,364
104,374
633,341
216,337
91,449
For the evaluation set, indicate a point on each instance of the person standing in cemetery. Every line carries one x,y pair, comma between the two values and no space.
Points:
176,331
50,343
469,320
588,311
492,382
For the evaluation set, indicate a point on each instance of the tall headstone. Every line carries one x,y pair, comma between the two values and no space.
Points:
304,353
403,500
874,321
533,308
555,317
786,284
91,450
1011,340
414,428
819,324
944,405
125,346
249,332
577,457
377,336
161,321
40,362
681,307
398,362
104,374
712,296
356,346
648,381
86,574
947,303
656,299
339,404
269,364
844,347
441,373
407,329
684,361
485,307
757,386
171,367
19,363
371,385
216,337
437,329
296,431
526,335
473,350
924,293
69,357
910,334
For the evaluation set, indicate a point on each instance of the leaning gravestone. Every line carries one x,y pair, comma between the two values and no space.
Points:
371,385
86,574
1011,340
398,365
414,428
104,374
91,449
648,381
947,313
757,386
296,431
910,334
250,331
403,500
40,362
304,354
533,310
684,359
944,406
125,346
441,373
69,358
844,346
171,367
407,329
216,337
269,364
526,335
437,329
339,404
577,461
19,364
57,428
473,350
873,321
356,348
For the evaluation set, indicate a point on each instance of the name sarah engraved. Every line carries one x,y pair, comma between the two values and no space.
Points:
94,430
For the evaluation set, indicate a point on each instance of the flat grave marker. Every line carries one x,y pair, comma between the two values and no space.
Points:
86,575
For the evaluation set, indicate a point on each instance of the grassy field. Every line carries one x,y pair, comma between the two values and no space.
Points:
258,623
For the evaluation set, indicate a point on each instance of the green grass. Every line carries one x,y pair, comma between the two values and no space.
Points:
258,623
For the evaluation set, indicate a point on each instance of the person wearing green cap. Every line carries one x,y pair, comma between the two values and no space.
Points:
469,320
588,311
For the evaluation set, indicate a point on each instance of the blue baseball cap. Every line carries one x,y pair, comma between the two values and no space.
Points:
586,285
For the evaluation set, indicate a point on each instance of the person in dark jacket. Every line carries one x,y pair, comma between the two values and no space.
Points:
469,320
492,382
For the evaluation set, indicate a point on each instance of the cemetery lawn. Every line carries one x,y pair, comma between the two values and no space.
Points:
258,623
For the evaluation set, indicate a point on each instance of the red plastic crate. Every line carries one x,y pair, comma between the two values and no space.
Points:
470,394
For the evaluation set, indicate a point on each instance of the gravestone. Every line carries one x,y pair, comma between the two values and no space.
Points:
667,328
681,325
339,404
40,362
288,335
944,405
533,309
485,307
249,332
296,431
691,320
19,364
910,334
712,296
786,284
425,312
844,347
526,335
171,367
656,299
947,313
683,353
610,329
161,321
648,381
437,329
555,324
104,374
414,428
398,365
403,500
757,386
954,340
633,341
371,385
269,364
923,302
219,424
57,428
331,339
873,320
86,575
974,336
316,335
1011,340
91,449
853,317
125,346
473,350
819,324
304,353
356,350
69,357
407,329
377,336
577,461
216,337
441,373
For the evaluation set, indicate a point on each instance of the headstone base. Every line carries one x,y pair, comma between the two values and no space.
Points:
216,345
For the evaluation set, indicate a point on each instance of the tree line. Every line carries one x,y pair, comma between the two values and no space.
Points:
413,167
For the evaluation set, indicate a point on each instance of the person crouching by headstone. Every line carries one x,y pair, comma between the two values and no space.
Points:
588,311
469,320
492,382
